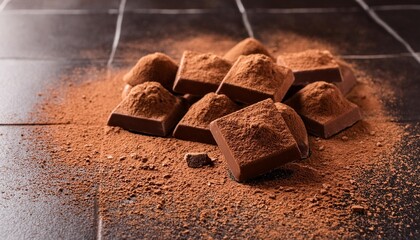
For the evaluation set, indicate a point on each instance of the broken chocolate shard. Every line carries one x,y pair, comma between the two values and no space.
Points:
149,108
296,126
245,47
311,66
200,73
349,79
156,67
255,140
324,109
254,78
198,160
194,126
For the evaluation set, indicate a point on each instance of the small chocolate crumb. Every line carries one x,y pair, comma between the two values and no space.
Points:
198,160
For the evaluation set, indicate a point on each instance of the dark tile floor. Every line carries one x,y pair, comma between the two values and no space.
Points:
41,40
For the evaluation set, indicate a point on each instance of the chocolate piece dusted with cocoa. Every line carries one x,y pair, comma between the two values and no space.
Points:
311,66
255,140
349,79
247,46
254,78
200,73
198,160
324,109
149,108
296,126
126,90
194,126
156,67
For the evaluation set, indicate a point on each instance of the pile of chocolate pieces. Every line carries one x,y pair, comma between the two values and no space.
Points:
258,110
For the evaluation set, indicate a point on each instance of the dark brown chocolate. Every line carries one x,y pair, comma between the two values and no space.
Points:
149,108
198,160
296,126
311,66
349,79
255,140
194,126
324,109
200,73
254,78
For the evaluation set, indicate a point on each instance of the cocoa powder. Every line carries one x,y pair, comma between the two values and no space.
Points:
207,109
152,191
149,100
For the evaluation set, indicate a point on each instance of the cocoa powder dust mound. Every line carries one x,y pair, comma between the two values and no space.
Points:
247,46
146,188
149,100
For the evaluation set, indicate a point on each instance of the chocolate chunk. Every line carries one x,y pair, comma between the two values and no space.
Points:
324,109
149,108
156,67
311,66
349,79
194,126
200,73
247,46
126,90
198,160
254,140
254,78
296,126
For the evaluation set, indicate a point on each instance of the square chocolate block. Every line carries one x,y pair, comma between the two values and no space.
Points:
254,140
149,108
200,73
194,126
311,66
254,78
324,109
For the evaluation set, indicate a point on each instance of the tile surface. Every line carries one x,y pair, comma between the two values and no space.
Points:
30,207
333,31
62,4
26,83
406,23
143,33
182,4
298,4
56,36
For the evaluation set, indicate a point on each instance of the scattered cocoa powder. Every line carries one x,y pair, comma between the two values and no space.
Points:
153,192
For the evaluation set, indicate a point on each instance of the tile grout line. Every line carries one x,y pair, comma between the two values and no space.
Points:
245,18
396,7
198,10
4,4
302,10
117,32
388,28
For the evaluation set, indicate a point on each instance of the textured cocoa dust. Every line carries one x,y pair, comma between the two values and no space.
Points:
147,190
311,59
148,100
203,67
320,101
207,109
257,72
